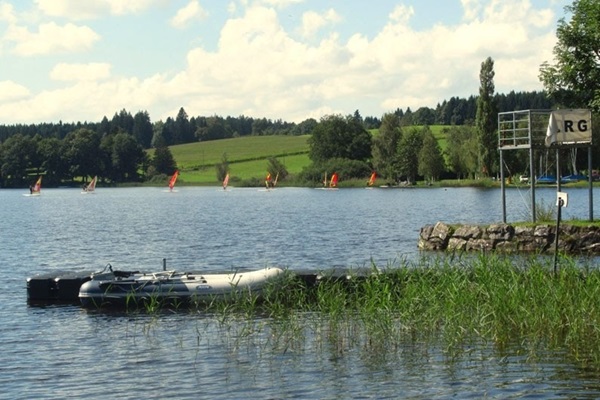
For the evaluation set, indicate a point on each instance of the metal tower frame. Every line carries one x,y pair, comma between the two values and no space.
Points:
526,129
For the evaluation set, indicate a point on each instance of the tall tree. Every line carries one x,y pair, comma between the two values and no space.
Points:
408,154
81,151
15,155
127,156
462,150
385,145
574,81
431,160
339,137
182,130
163,161
142,129
486,120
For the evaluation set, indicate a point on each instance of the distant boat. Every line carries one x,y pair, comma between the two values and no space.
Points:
334,181
36,189
270,183
546,179
226,181
91,187
173,180
330,184
573,178
372,179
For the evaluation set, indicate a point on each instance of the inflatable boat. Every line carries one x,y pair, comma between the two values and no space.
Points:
110,288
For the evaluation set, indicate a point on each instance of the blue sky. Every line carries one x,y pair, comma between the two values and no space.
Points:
73,60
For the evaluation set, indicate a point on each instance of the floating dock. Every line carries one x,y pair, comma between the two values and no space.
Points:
62,287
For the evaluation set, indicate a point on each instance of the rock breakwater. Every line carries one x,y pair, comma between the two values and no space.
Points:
509,238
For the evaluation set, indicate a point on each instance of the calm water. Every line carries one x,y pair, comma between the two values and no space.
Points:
64,351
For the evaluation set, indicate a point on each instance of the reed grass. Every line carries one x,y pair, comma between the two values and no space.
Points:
493,299
499,300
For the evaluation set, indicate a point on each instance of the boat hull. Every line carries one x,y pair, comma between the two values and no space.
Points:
171,288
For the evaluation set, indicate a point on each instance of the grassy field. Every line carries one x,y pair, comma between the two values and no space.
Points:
247,156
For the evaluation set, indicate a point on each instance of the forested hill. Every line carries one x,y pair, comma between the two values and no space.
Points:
185,129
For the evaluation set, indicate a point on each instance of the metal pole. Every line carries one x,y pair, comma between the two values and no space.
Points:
560,204
502,188
557,170
532,176
591,185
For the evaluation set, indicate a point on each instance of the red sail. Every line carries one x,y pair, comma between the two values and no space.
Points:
334,180
173,180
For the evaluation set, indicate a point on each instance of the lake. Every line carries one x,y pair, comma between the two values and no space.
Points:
56,352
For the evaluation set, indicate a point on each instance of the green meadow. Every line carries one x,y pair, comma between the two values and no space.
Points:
248,156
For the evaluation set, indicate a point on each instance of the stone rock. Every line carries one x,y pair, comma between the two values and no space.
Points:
457,243
506,238
500,232
467,232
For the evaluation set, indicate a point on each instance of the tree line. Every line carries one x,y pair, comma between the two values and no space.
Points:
184,129
114,149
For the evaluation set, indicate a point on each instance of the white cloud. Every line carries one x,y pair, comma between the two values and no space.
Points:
51,38
312,21
10,91
80,72
192,11
279,3
261,69
73,9
7,13
402,14
89,9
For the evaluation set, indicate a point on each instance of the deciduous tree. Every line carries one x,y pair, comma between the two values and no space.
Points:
574,80
385,146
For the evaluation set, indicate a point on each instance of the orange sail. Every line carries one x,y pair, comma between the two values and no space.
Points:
173,180
225,181
334,180
371,181
268,180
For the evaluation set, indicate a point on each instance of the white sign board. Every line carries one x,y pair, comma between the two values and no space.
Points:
569,127
561,197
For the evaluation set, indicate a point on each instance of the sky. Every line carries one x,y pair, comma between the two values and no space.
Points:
77,61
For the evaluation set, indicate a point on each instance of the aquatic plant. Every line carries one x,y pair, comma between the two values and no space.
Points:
495,299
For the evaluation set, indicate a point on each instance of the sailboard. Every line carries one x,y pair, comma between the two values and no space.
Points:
172,181
371,180
333,182
91,187
269,183
36,189
226,182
